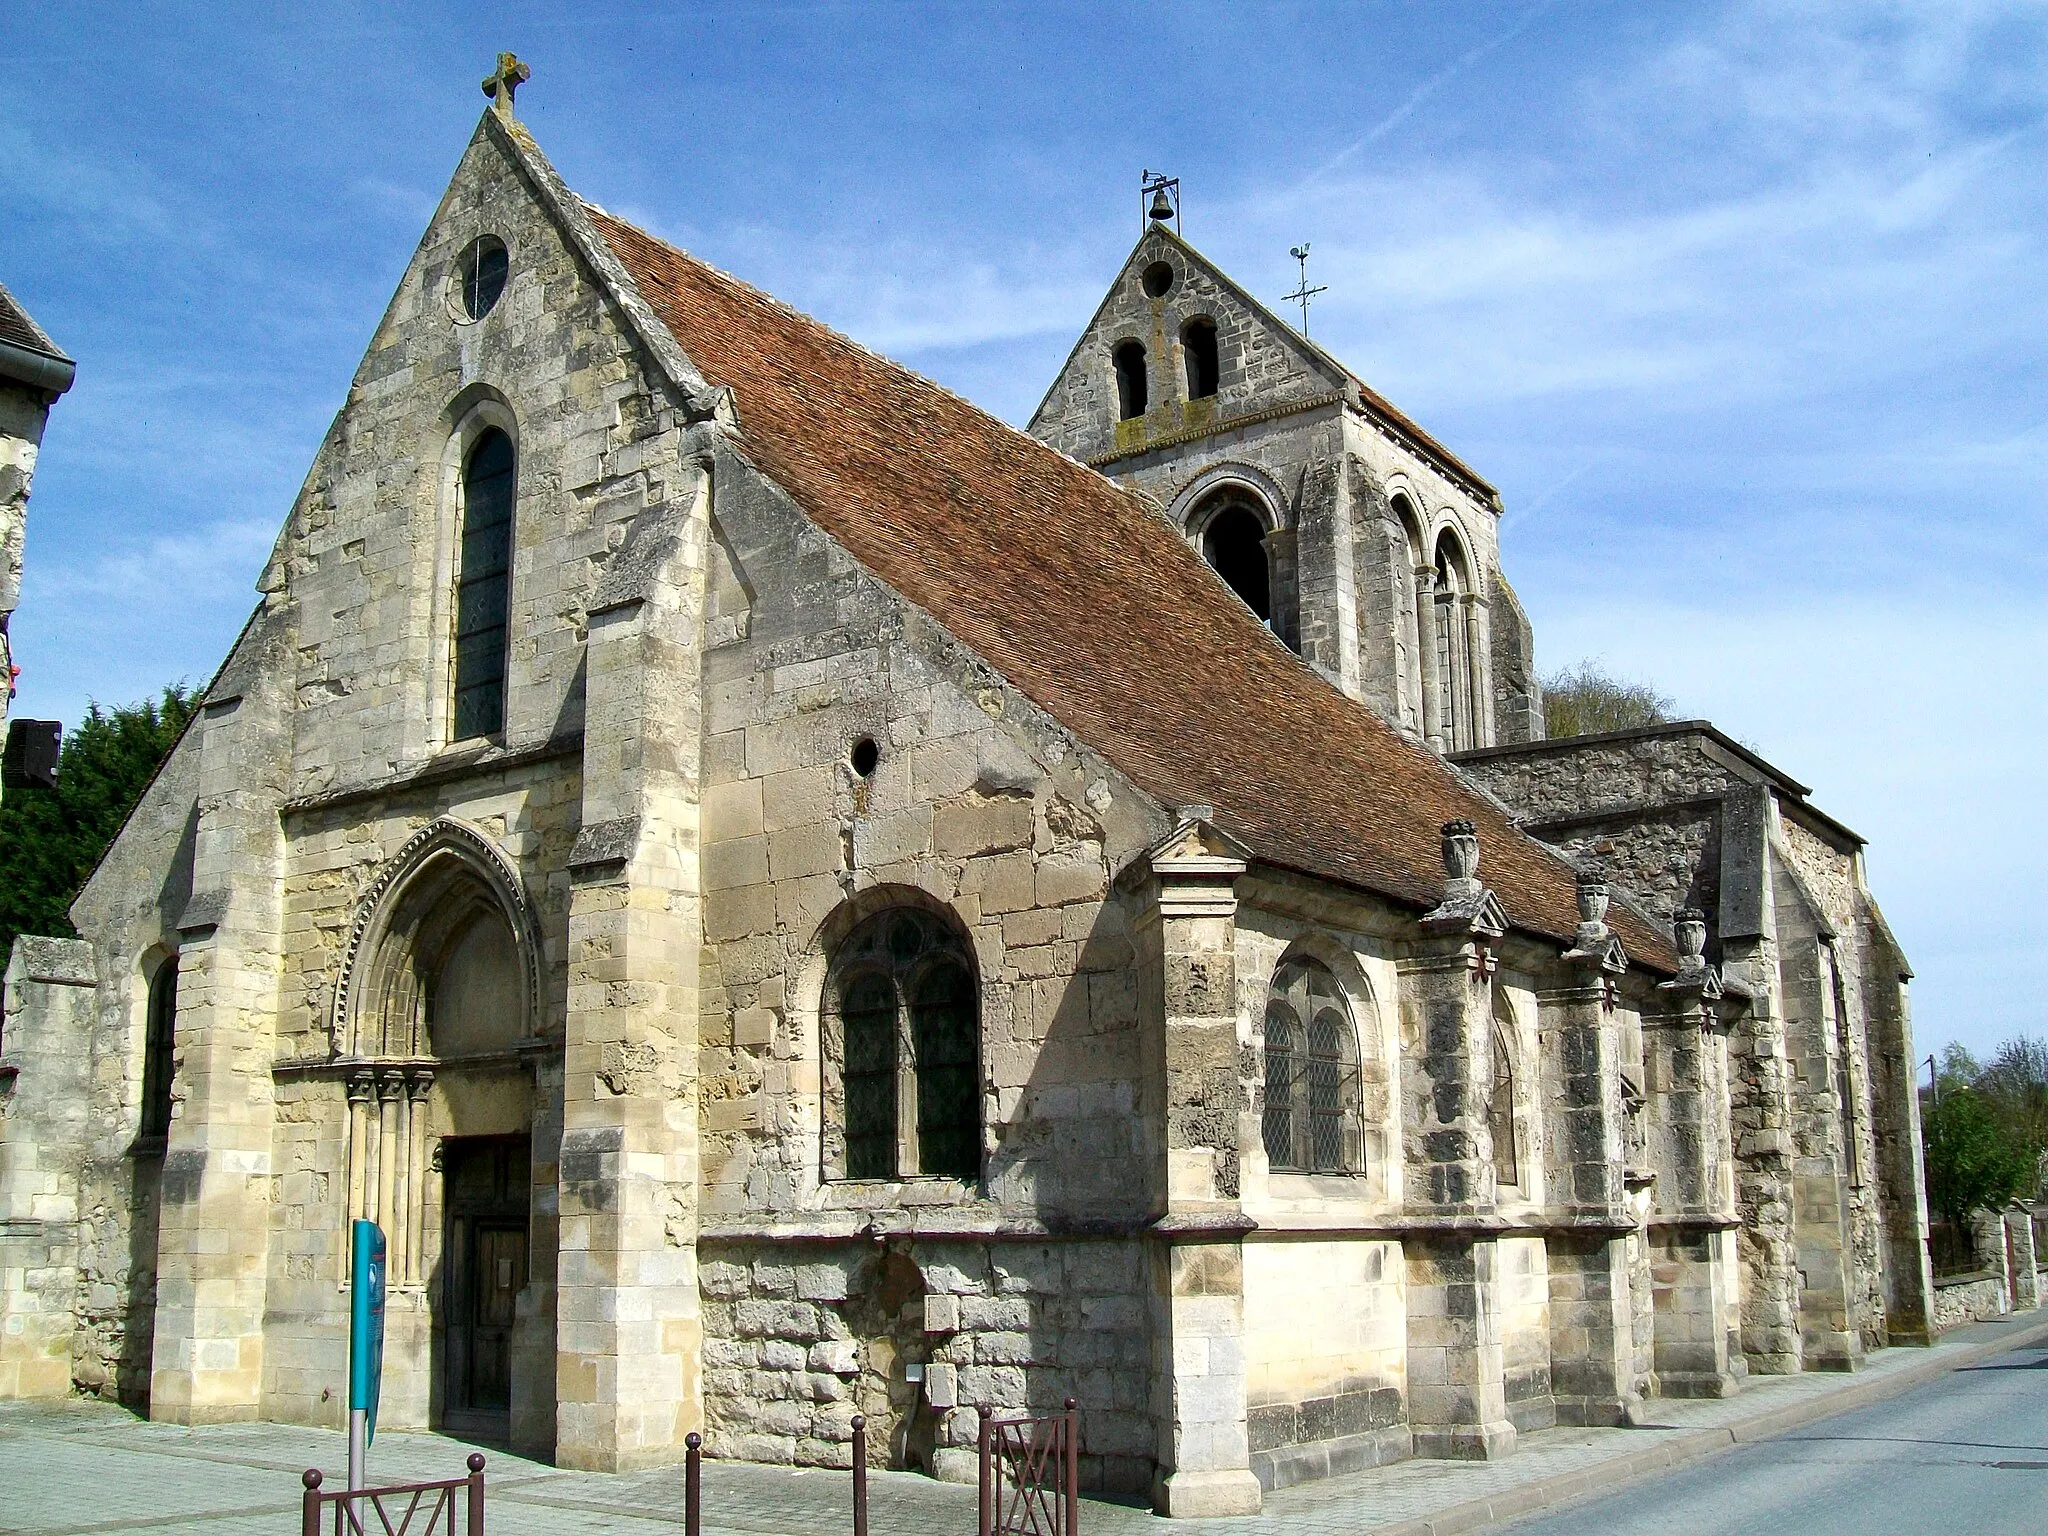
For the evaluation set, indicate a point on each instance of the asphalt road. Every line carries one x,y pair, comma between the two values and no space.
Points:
1964,1455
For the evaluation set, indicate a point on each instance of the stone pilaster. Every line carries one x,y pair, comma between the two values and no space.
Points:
1187,941
628,1329
1695,1354
213,1242
2025,1278
45,1139
1457,1386
1592,1301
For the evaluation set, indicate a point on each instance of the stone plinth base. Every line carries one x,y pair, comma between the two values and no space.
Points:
1199,1495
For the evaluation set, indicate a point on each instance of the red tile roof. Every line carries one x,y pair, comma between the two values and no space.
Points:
1091,606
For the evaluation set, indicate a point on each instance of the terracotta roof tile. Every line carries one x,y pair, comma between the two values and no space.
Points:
1090,605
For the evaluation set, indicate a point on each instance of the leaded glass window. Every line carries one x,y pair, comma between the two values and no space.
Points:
908,1031
1283,1044
1311,1120
483,591
942,1016
869,1017
1500,1111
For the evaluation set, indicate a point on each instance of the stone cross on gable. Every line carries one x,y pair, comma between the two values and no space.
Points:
505,81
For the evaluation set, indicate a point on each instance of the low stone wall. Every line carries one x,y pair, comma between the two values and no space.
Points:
1960,1299
800,1335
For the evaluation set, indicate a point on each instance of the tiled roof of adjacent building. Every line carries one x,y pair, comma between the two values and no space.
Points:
16,327
43,364
1091,606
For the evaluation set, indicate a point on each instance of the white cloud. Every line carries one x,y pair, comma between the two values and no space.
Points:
203,564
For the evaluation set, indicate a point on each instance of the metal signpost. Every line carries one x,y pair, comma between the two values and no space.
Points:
365,1344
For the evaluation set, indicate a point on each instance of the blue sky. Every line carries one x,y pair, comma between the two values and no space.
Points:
1741,305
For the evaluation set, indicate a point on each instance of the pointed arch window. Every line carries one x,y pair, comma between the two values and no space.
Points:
483,592
903,1016
159,1048
1312,1119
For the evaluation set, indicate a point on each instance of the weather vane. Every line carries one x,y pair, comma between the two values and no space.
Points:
1304,293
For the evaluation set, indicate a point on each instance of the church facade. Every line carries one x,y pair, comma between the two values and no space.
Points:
786,897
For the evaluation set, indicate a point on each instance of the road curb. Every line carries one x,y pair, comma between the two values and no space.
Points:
1680,1450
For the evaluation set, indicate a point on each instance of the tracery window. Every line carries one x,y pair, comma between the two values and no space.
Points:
159,1044
1312,1116
483,592
903,1012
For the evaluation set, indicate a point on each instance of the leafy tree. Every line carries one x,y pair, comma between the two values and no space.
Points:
2016,1083
1957,1067
51,838
1585,700
1973,1161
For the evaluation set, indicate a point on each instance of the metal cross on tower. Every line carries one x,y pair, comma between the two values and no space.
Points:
1304,293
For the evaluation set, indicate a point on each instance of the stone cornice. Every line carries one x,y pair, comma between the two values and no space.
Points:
438,769
1216,428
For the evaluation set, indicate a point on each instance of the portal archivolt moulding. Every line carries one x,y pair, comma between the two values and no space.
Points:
445,845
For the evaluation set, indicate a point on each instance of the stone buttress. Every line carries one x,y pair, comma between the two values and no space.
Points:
1186,942
630,1340
1457,1395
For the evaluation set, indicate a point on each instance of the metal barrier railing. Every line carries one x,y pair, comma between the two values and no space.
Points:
1030,1475
693,1480
1030,1478
438,1498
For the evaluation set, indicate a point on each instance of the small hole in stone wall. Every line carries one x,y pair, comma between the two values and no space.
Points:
1158,280
865,756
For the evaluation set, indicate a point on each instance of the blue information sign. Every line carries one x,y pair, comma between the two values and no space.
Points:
366,1326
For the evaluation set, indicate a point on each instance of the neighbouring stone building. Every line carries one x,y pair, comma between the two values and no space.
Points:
33,373
788,897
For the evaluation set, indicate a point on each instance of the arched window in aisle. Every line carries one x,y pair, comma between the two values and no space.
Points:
1312,1120
903,1019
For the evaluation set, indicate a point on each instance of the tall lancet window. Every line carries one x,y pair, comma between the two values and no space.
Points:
1455,721
483,592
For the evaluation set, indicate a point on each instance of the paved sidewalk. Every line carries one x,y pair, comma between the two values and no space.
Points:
82,1469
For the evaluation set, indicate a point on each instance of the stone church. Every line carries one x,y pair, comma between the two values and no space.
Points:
786,897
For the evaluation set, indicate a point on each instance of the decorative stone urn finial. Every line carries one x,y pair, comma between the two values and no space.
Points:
1689,928
500,85
1461,859
1591,892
